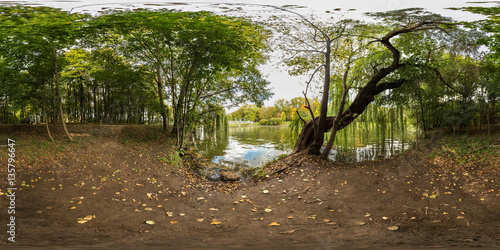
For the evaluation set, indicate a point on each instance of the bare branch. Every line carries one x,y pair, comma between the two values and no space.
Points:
300,116
309,108
310,79
297,51
218,92
440,77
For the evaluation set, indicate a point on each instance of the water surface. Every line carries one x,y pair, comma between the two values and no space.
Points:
254,145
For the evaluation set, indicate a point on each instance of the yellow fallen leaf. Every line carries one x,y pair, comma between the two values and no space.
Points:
82,221
173,222
200,220
89,217
150,222
215,222
72,208
274,223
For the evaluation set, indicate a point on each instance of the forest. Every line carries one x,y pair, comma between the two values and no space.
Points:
171,67
131,67
116,129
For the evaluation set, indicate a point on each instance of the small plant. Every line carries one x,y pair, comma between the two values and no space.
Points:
259,173
175,158
431,155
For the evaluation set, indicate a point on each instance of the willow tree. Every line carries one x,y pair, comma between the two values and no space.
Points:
370,59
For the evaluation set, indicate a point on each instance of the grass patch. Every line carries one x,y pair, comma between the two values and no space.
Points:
469,151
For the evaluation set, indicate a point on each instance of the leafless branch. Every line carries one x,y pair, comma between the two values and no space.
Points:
218,92
309,108
440,77
310,79
300,116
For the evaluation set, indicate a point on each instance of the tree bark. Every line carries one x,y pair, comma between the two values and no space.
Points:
329,145
46,120
60,100
160,95
318,134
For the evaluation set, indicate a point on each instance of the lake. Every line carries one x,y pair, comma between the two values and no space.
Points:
254,145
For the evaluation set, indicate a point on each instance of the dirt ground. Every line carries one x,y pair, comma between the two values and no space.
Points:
104,189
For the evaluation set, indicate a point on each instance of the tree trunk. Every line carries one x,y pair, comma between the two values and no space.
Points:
365,96
60,100
306,136
329,145
160,95
46,120
96,110
320,126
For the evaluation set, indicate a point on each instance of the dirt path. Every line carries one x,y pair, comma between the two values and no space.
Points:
122,182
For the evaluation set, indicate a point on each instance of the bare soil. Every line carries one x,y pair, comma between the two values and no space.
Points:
123,176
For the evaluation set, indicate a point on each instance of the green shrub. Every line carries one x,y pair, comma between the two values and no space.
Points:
272,121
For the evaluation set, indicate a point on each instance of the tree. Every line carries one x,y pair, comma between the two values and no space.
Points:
282,107
491,26
267,113
249,112
42,33
201,58
387,60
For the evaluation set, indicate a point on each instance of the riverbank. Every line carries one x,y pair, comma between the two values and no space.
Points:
284,124
125,186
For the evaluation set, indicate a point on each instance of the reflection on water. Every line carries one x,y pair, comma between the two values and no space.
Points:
368,141
252,146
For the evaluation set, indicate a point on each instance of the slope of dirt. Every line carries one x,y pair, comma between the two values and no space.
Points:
123,176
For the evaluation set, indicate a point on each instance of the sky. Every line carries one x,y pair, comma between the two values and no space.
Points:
281,84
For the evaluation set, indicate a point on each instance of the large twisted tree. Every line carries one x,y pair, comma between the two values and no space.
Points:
370,59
